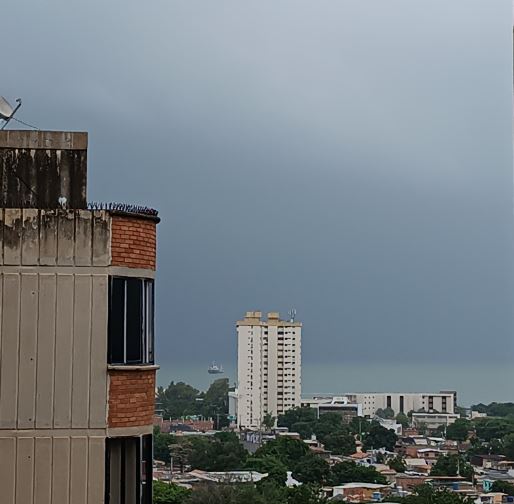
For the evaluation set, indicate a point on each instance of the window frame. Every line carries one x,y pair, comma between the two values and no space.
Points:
126,344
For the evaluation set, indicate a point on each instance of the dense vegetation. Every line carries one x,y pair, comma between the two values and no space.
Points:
224,452
426,494
495,409
338,437
179,400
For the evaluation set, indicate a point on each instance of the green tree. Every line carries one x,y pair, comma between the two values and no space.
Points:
305,429
304,494
311,469
340,443
161,445
296,415
452,465
271,465
493,428
350,472
397,464
221,452
214,402
385,413
358,425
169,493
508,446
379,437
426,494
265,493
230,494
288,451
178,400
327,424
503,487
495,409
458,430
268,422
403,420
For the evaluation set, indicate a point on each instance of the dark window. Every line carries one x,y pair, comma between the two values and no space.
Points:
388,401
131,321
128,470
444,405
401,404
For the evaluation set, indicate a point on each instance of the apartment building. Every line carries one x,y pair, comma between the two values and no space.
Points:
77,371
268,367
443,402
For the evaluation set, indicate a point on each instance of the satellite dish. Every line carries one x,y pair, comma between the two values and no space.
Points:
6,110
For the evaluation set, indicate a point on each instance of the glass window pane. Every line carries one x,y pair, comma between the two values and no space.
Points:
116,321
134,317
150,320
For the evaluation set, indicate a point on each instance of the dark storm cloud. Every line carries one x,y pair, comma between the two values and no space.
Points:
349,158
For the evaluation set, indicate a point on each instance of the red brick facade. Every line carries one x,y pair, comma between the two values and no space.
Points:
133,242
131,397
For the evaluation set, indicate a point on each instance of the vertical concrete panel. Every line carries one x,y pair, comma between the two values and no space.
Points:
101,238
96,470
63,351
27,352
43,470
66,238
48,238
78,470
12,236
98,381
9,350
1,236
81,351
30,237
61,471
7,469
83,238
45,351
25,470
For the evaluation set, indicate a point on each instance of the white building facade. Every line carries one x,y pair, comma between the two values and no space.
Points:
268,367
442,402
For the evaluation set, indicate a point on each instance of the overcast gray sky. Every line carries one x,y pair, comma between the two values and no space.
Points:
350,158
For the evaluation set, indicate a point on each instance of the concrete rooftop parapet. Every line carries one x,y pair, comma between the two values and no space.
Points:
58,140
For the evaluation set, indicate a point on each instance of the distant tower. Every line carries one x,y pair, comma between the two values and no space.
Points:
268,367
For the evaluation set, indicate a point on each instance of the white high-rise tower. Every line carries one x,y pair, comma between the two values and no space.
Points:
268,367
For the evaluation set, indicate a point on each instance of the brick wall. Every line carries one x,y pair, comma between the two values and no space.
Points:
133,242
131,398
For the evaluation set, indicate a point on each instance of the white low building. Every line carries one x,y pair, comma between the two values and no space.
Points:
434,420
403,402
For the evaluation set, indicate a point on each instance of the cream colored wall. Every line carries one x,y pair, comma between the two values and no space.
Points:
54,269
53,355
52,469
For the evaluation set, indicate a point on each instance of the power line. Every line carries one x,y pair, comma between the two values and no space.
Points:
24,123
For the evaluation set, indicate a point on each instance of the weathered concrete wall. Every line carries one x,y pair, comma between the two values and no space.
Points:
32,237
38,167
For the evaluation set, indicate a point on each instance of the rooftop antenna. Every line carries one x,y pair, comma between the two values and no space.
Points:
6,110
292,314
